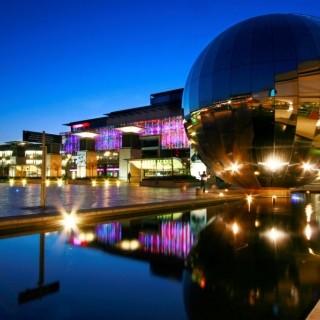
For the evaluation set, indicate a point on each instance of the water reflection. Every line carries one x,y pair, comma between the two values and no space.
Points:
233,261
257,265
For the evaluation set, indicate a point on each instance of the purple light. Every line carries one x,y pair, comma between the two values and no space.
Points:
175,239
171,130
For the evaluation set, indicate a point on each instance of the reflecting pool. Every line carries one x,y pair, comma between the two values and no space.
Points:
118,270
257,260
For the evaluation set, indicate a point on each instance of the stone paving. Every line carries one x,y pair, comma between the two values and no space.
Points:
21,210
19,200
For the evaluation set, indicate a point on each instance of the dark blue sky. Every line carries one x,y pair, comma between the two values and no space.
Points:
69,60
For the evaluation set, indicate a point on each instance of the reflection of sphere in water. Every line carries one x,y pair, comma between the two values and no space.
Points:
252,102
252,271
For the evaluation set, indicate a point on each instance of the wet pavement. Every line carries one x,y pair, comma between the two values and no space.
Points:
19,200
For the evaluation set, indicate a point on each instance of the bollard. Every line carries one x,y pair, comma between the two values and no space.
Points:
199,191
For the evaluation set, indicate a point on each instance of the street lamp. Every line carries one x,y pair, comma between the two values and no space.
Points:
107,154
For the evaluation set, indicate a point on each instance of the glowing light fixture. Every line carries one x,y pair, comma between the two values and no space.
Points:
129,245
234,167
130,129
308,232
307,166
70,221
249,200
235,228
273,164
274,234
308,211
86,134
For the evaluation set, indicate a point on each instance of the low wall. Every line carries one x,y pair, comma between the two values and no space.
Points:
168,183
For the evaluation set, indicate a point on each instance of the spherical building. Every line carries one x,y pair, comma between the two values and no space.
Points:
252,102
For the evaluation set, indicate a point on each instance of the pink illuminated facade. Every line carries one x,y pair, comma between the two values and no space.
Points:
160,135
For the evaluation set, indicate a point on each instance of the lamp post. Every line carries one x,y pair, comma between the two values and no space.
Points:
43,171
107,154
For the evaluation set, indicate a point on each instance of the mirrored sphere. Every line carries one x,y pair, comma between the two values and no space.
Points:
252,102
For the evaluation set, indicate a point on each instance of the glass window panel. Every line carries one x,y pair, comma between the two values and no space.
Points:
309,85
285,69
240,80
241,51
304,42
284,46
221,85
211,54
262,77
223,57
194,95
262,47
205,90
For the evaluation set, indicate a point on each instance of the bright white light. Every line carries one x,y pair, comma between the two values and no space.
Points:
86,134
24,182
130,245
307,166
106,183
47,183
274,234
234,167
273,164
130,129
249,200
118,183
94,183
59,182
308,232
235,228
308,211
70,221
87,237
11,182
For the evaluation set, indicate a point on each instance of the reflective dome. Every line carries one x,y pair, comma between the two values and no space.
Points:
252,102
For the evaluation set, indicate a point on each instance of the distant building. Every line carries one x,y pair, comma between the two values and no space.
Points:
147,142
20,159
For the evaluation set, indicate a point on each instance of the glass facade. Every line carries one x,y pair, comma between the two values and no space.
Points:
252,102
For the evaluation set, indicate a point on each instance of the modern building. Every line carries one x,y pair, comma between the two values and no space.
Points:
21,159
252,102
148,141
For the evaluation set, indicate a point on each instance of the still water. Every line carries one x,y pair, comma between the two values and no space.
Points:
233,261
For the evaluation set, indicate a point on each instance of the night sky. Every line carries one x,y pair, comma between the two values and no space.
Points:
69,60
